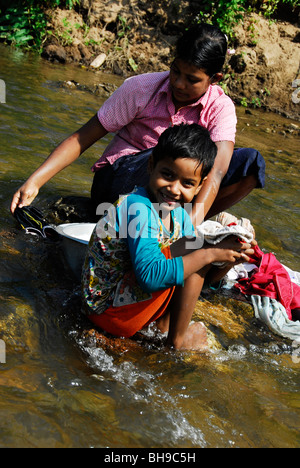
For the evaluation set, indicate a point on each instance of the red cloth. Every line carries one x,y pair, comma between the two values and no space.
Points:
271,280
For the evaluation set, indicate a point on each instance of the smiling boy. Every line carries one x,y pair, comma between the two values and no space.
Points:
149,275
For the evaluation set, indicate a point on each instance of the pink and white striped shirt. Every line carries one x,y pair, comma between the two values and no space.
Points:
142,108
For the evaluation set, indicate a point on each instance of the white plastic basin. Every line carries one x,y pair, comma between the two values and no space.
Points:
75,238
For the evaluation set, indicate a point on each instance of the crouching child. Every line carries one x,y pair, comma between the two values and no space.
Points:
144,263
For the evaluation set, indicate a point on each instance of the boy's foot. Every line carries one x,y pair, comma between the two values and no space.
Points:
196,337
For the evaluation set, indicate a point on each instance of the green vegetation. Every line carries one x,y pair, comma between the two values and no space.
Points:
228,13
24,23
223,13
270,7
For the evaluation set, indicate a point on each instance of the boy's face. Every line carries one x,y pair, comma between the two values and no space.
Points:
175,182
189,83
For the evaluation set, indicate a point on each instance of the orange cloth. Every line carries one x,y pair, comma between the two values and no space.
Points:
129,319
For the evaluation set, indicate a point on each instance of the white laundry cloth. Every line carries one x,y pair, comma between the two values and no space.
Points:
236,273
245,269
225,219
274,315
213,232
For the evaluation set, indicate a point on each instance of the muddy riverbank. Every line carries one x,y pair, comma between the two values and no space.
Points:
138,37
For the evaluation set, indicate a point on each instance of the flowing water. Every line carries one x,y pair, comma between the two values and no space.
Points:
59,389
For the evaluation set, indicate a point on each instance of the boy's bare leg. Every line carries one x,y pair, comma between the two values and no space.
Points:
182,335
163,322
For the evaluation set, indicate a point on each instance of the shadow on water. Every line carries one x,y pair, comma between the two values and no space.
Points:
58,387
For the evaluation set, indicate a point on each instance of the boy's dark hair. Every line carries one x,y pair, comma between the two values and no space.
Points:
186,141
205,47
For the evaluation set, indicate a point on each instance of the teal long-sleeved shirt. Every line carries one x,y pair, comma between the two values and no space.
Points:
131,237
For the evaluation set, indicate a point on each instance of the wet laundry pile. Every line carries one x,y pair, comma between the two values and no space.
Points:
273,288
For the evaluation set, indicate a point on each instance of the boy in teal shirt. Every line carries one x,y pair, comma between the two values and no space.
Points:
143,263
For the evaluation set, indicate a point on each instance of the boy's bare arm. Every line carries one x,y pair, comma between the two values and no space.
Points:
211,185
194,259
66,153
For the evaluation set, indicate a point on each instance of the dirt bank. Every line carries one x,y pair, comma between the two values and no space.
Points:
266,65
136,36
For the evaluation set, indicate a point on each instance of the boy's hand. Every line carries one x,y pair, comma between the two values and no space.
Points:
241,255
232,251
24,196
248,250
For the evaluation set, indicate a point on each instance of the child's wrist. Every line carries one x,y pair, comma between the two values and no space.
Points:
211,254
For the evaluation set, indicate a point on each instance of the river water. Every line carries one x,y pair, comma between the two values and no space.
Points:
58,389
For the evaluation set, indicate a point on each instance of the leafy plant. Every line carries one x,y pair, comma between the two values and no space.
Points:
256,102
223,13
269,7
23,25
226,14
63,33
123,27
132,63
64,3
244,102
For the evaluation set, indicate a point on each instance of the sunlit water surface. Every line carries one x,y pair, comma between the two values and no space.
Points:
60,390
